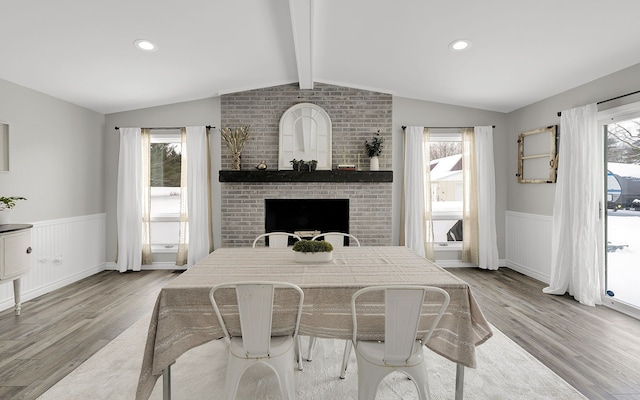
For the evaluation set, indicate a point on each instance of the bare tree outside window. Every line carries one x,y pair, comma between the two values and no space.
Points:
623,140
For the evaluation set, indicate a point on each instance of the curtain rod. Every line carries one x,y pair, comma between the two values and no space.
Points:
611,99
172,127
446,127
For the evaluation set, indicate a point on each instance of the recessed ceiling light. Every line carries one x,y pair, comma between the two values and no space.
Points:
145,45
460,45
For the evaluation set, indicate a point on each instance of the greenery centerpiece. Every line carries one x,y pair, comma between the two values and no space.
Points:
374,148
312,251
235,139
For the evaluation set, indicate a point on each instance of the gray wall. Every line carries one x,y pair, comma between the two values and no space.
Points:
538,198
355,115
193,113
408,112
57,156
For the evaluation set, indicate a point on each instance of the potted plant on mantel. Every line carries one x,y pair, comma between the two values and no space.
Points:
7,203
374,148
312,251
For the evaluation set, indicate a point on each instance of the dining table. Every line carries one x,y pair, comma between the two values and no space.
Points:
183,317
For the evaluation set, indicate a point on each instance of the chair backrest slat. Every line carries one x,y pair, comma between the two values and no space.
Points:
402,313
255,305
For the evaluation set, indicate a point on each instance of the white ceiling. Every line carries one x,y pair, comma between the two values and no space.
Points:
81,50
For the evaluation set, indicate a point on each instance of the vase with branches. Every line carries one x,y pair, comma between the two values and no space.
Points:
374,148
235,138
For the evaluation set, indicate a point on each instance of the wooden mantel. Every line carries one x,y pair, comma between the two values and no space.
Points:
305,176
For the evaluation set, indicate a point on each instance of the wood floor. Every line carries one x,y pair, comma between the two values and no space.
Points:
597,350
60,330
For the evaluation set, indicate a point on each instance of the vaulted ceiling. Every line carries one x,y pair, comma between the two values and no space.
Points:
82,51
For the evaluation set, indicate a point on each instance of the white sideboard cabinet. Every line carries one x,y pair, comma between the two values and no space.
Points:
15,256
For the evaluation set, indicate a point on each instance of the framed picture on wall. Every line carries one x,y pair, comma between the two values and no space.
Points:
538,156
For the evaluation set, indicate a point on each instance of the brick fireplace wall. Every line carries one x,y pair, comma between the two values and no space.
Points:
355,116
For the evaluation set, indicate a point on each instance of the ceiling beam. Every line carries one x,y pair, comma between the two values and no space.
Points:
302,25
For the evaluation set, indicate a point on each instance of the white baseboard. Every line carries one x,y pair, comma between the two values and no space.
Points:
528,272
39,291
154,266
460,264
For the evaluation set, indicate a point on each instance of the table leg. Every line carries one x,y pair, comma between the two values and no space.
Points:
166,383
459,381
16,295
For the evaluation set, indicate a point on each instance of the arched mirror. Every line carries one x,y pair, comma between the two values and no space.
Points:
305,134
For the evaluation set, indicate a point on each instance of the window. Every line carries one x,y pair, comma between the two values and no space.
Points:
165,173
445,148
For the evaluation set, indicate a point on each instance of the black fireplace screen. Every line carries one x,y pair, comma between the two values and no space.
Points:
306,215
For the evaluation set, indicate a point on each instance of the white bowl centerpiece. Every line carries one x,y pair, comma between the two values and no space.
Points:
312,251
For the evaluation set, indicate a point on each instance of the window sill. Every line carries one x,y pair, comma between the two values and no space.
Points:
161,248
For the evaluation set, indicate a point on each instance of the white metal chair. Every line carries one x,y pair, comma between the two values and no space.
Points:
337,238
408,310
277,239
254,342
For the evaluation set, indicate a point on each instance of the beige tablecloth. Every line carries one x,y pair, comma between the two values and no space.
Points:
183,317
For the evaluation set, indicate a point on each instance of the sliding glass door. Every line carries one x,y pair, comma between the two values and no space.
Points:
623,211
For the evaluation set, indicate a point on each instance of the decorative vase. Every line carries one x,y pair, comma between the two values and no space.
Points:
4,217
374,164
235,164
319,257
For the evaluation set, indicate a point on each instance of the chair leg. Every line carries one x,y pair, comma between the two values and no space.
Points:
369,377
284,372
235,370
419,376
312,345
345,358
298,354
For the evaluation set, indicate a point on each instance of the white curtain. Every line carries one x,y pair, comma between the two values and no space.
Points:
183,233
145,205
577,248
198,191
470,198
486,197
418,228
129,200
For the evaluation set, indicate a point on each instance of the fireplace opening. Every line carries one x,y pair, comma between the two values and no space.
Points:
306,216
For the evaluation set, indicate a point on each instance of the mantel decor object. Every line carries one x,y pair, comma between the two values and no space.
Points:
302,165
374,148
235,139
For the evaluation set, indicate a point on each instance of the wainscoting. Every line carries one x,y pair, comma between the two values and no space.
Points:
64,251
528,244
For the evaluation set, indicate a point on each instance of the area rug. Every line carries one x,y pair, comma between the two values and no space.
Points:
505,371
